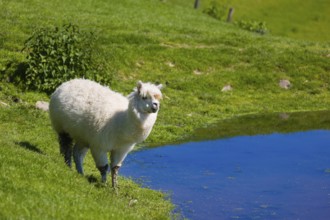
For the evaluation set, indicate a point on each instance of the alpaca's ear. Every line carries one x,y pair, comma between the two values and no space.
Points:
139,85
160,86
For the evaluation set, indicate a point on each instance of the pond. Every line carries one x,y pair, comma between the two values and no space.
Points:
271,175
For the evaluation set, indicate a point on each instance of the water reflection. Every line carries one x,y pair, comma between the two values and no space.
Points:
273,176
264,124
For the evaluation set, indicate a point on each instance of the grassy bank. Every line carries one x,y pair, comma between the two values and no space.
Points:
262,124
307,20
189,52
36,184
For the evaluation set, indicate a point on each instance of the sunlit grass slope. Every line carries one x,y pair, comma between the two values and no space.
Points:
36,184
303,20
192,54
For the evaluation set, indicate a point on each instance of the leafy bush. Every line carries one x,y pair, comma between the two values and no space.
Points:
57,55
253,26
217,10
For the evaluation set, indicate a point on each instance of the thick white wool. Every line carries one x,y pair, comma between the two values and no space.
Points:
103,120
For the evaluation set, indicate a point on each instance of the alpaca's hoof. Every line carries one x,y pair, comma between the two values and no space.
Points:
104,170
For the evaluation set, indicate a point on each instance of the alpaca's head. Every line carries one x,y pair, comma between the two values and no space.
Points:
147,97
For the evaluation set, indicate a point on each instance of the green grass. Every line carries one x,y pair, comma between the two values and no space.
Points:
303,20
137,40
36,184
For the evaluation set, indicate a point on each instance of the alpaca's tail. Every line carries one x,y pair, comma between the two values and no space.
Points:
66,147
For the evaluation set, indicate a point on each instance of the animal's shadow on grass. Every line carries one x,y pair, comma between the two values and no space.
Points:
94,181
29,146
91,179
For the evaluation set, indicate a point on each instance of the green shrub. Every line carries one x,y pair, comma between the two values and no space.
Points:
217,10
57,55
253,26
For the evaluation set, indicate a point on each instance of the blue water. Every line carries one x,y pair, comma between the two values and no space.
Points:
276,176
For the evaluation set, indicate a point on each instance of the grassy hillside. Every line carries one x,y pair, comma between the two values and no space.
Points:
36,184
192,54
303,20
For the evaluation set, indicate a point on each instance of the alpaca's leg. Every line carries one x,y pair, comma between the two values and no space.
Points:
117,158
114,174
79,153
101,161
104,171
66,147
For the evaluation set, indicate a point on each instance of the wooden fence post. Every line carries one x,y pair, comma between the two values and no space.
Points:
196,5
230,15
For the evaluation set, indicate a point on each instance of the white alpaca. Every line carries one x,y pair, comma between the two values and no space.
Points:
103,121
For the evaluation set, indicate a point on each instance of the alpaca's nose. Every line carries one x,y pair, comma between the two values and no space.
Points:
154,106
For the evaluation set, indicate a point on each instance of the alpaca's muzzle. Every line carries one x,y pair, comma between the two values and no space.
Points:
154,107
